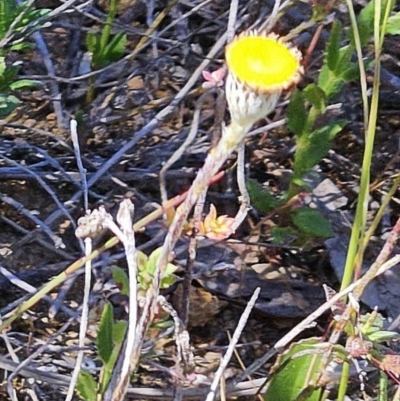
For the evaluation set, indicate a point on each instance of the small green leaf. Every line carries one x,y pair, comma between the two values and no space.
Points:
261,199
316,96
294,372
313,147
296,113
8,103
344,60
312,222
393,24
142,261
119,330
365,23
168,277
92,42
283,235
104,340
152,261
121,279
333,46
115,48
383,335
3,65
329,82
86,386
25,83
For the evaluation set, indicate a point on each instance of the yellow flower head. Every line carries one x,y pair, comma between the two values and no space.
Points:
260,67
263,63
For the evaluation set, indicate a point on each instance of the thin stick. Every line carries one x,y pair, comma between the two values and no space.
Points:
55,92
271,20
230,30
241,180
82,171
84,321
120,379
235,338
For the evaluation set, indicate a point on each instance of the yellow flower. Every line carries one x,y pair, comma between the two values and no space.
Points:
260,67
216,227
263,63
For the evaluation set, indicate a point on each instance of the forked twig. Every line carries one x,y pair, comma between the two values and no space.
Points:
60,278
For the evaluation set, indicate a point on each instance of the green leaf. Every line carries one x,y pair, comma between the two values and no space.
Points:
152,261
115,48
168,277
261,199
383,335
104,340
93,42
9,12
344,60
86,386
142,261
365,22
121,279
8,103
293,372
7,76
25,83
329,82
393,24
333,46
336,62
313,147
296,113
7,16
312,222
283,235
316,96
119,330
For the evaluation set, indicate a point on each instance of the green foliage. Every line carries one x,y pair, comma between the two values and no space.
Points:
310,221
104,47
337,65
14,19
104,341
284,235
371,326
312,147
293,374
297,113
121,279
261,199
366,21
313,140
8,104
86,386
103,55
110,336
147,268
306,225
8,82
16,22
393,24
301,373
